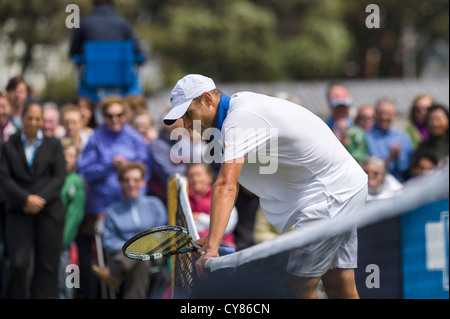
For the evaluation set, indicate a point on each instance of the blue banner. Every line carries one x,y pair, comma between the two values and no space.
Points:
425,252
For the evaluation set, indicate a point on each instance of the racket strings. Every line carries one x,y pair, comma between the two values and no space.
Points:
158,242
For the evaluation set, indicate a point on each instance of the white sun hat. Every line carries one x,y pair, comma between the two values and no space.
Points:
187,89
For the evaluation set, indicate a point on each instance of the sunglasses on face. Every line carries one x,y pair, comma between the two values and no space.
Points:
111,116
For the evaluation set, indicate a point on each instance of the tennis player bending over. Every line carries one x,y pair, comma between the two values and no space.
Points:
314,178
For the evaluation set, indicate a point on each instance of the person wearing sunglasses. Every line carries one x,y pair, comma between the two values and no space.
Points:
112,144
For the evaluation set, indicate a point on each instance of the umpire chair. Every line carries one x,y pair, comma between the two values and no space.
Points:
108,68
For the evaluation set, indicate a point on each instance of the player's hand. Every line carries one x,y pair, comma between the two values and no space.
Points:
202,242
206,254
200,263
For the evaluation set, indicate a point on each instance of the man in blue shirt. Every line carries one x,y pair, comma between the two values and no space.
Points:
124,219
388,143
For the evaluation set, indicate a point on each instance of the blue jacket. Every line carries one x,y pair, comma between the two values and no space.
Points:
122,223
95,165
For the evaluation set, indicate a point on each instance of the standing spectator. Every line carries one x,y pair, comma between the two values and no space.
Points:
32,168
102,24
17,90
124,219
437,121
416,127
388,143
6,130
144,124
87,114
365,116
340,101
74,199
200,180
356,135
112,145
72,122
51,126
134,104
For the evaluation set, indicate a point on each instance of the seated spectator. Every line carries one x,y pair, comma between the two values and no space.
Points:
74,199
381,183
124,219
388,143
416,127
200,181
112,145
437,121
422,164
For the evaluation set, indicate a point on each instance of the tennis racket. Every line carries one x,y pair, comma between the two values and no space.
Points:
161,242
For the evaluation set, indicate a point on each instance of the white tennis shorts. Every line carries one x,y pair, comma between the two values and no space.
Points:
315,259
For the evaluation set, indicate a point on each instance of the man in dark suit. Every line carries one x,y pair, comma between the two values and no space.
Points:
32,169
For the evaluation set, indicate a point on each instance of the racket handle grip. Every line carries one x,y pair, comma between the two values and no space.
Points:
226,250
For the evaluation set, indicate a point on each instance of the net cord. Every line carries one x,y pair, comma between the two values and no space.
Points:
186,207
415,194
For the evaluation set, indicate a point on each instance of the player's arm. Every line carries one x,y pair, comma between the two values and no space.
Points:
224,194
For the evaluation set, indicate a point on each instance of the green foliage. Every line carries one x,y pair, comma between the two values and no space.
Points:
60,91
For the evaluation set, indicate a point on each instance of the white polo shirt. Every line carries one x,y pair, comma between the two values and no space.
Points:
291,156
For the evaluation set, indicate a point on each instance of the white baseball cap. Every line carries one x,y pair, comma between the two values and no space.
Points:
187,89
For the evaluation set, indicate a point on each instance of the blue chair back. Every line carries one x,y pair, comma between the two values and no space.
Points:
109,63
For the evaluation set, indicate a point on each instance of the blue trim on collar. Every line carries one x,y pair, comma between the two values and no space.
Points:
224,104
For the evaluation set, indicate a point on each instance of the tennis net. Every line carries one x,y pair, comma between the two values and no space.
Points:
182,270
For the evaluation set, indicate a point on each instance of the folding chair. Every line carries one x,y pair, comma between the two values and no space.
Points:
106,291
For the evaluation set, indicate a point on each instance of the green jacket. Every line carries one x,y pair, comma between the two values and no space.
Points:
357,146
414,134
74,199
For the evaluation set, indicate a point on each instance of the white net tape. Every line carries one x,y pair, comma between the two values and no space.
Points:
416,193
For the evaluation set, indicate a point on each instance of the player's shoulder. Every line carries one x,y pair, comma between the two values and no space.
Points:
246,104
